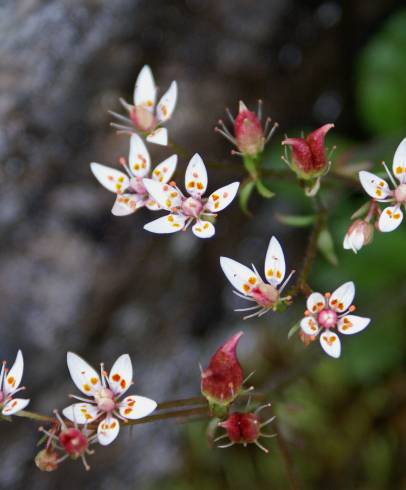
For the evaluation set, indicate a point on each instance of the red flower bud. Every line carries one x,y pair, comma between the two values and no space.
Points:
73,441
221,382
242,428
248,132
309,154
47,460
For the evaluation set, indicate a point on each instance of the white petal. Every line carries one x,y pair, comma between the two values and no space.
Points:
390,218
81,413
275,267
152,205
315,302
158,137
203,229
374,185
167,103
342,297
121,375
399,162
145,89
309,325
110,178
13,378
170,223
139,160
350,324
136,407
15,405
347,243
165,195
165,170
108,430
240,276
331,344
222,197
86,378
196,176
126,204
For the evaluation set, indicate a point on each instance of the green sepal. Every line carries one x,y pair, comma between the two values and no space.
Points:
263,189
293,330
325,244
295,220
245,193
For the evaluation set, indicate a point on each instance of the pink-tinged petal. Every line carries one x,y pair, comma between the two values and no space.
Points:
110,178
165,170
196,176
126,204
315,302
81,413
108,430
167,104
374,185
14,405
331,344
399,162
315,140
351,324
203,229
390,219
342,297
158,137
13,378
301,153
139,160
309,326
275,267
121,375
136,407
167,196
145,89
222,197
171,223
86,378
241,277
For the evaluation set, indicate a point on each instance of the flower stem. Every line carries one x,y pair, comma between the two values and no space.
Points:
287,460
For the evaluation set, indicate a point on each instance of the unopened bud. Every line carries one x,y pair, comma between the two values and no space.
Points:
248,132
360,233
242,428
73,441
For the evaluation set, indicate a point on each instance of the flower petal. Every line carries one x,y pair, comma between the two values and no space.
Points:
158,137
136,407
139,160
108,430
342,297
275,267
203,229
164,171
152,205
350,324
170,223
315,302
121,375
196,176
222,197
110,178
13,378
81,413
145,89
15,405
240,276
309,325
390,218
126,204
374,185
167,196
399,162
331,344
167,104
86,378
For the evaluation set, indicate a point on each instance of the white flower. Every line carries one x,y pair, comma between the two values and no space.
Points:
105,392
131,192
145,118
248,281
9,386
325,313
185,210
392,216
359,234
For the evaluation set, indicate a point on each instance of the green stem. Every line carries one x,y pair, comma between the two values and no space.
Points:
287,460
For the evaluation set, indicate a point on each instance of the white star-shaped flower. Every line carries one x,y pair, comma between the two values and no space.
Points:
10,385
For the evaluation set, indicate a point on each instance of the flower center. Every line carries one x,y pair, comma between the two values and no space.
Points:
192,206
142,118
400,193
327,318
138,186
105,400
265,295
73,441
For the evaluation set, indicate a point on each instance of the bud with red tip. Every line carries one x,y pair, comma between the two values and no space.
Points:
222,381
360,233
47,460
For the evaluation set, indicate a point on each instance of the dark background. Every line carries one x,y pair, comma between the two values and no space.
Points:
73,277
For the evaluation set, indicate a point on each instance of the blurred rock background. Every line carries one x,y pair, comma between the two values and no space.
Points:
73,277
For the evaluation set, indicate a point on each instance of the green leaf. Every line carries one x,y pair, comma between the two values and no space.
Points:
295,220
263,189
245,194
325,244
361,211
293,330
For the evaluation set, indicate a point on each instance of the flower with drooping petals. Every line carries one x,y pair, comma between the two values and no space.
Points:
184,210
359,234
329,312
131,192
10,385
250,285
105,404
144,117
379,190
